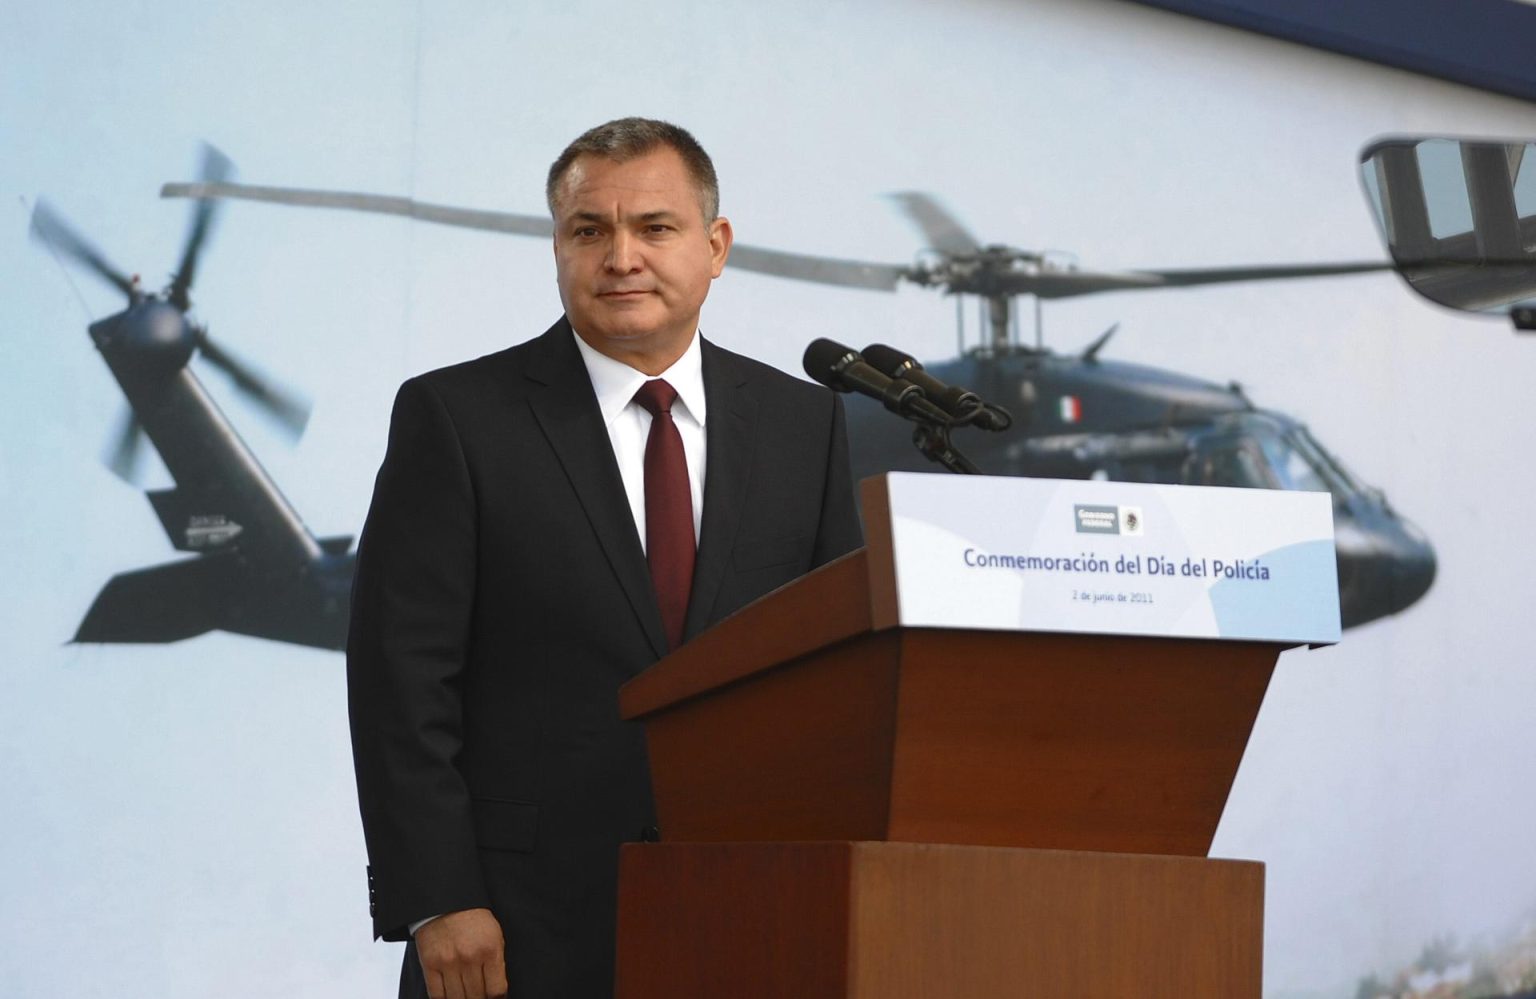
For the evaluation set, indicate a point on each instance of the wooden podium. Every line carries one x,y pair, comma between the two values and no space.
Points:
849,808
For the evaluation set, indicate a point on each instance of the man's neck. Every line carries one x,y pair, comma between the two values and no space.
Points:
650,362
614,382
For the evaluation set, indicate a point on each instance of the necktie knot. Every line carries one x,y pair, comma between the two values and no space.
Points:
656,396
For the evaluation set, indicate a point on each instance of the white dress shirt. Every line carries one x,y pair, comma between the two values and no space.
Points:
629,424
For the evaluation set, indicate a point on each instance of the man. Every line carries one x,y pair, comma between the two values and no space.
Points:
531,546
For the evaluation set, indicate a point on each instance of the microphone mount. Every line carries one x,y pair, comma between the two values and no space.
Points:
844,369
964,406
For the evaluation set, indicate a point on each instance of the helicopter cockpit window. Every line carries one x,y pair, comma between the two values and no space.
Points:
1292,466
1166,469
1230,465
1333,469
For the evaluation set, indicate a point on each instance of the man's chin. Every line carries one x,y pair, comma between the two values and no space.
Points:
620,335
627,332
624,310
625,341
632,324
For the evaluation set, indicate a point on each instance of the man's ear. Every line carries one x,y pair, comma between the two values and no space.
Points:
720,238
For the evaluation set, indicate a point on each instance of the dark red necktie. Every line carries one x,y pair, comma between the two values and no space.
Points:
668,509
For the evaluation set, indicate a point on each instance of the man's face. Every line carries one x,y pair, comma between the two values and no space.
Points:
634,257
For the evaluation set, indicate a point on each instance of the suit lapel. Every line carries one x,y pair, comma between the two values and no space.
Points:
566,409
732,416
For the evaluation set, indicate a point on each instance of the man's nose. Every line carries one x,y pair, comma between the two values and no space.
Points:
623,253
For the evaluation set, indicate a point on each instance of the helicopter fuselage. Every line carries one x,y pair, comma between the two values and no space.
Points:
1079,418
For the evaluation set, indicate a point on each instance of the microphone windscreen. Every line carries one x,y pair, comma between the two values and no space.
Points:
888,360
822,360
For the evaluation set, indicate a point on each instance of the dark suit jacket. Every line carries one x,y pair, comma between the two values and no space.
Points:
502,597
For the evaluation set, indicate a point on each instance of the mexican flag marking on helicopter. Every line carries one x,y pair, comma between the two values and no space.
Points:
1071,409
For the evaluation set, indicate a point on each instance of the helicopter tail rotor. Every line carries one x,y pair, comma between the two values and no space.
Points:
50,227
288,410
122,455
217,168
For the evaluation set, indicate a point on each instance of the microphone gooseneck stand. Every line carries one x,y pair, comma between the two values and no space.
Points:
932,437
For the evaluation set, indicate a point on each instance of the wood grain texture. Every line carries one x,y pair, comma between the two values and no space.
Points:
910,921
875,505
1081,742
733,921
798,753
939,921
1071,741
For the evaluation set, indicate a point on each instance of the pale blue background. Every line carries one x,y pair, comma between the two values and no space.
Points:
179,820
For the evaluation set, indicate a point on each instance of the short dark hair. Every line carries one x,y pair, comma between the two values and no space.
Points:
624,139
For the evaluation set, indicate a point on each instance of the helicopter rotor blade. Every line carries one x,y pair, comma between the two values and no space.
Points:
943,231
939,226
822,270
122,456
290,411
377,204
50,227
217,168
803,267
1221,275
1068,284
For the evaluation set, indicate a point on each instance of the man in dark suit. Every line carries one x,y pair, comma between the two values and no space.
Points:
549,521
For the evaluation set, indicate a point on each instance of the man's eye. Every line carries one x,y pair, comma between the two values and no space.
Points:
586,232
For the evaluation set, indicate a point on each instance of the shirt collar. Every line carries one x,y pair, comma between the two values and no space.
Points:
615,383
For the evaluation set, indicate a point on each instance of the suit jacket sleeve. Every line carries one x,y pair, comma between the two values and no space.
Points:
411,609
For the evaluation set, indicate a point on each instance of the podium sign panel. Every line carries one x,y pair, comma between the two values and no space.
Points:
1012,554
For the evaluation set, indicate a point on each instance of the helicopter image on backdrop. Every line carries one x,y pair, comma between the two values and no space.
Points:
1076,416
257,571
1081,416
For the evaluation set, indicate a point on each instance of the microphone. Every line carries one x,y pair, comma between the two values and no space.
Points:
842,369
958,402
